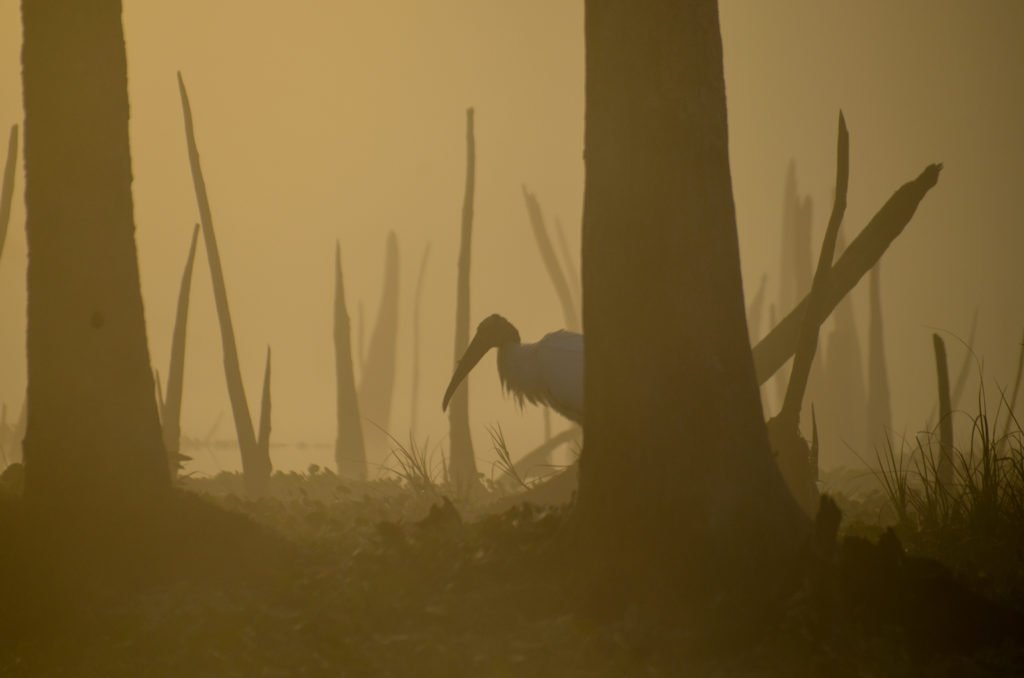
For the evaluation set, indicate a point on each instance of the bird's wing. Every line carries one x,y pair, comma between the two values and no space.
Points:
560,362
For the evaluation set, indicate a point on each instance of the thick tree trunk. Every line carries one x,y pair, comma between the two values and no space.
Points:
92,425
676,477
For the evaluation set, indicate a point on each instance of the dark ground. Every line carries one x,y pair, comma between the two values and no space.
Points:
329,579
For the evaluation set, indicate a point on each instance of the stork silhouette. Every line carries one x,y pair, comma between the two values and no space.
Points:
547,372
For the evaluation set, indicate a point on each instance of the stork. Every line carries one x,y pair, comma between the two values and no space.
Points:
548,372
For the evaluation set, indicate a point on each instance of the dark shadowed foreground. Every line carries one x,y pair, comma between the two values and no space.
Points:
325,578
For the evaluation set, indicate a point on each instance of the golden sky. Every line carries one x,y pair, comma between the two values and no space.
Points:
320,121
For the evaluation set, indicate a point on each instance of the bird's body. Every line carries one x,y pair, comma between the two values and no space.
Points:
547,372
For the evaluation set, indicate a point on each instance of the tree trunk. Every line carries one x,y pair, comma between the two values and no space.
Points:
462,463
879,415
92,424
349,449
377,386
677,481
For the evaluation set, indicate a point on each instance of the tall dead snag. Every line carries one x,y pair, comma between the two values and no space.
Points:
879,414
679,496
944,468
349,450
417,302
462,462
864,252
965,370
7,188
170,407
796,252
795,458
255,464
93,433
377,387
547,254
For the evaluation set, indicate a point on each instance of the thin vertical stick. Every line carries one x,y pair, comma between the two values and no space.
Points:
7,188
463,462
416,339
945,466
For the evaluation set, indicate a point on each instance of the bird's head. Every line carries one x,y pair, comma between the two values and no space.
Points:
494,331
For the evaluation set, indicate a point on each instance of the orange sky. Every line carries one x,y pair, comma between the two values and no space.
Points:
345,120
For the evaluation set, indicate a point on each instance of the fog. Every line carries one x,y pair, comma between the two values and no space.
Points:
343,121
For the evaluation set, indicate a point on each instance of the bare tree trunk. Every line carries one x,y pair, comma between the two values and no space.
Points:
879,412
463,462
679,492
796,459
417,303
93,428
377,386
7,187
256,465
171,408
349,450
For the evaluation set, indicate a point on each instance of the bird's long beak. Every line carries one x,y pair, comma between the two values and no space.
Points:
474,352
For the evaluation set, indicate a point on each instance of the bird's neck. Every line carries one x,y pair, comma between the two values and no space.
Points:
510,355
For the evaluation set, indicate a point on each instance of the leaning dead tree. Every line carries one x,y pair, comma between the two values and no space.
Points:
349,449
797,461
256,465
547,254
462,463
864,252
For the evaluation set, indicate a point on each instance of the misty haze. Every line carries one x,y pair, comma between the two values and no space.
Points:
292,313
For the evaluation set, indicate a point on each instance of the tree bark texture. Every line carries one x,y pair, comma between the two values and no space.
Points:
676,467
92,416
